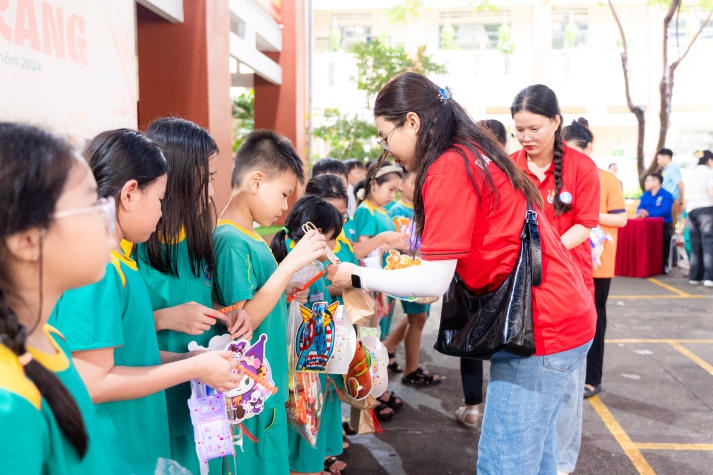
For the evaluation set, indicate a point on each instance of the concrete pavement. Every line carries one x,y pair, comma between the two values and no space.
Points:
653,416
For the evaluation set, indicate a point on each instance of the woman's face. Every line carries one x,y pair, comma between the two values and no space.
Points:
383,194
536,133
399,140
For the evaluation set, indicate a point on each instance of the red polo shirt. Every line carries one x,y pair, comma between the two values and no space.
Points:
485,239
580,178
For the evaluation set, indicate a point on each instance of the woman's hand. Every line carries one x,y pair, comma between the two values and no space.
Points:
215,368
191,318
239,324
340,275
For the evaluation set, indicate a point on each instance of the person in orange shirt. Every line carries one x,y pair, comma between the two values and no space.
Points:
612,215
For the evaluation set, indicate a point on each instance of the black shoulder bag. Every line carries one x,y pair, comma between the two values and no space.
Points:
477,326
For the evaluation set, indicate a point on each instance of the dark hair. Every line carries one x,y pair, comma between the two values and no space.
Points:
375,173
444,124
666,151
541,100
497,128
309,208
353,163
117,156
188,149
34,166
329,165
578,132
268,152
327,187
658,176
705,156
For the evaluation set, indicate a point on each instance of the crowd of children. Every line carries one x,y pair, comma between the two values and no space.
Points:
111,265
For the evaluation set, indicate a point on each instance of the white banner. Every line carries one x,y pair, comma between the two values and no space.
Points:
69,65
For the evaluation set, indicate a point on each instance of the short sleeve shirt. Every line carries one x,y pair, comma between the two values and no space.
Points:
671,178
580,178
484,237
611,201
244,263
370,220
116,313
31,441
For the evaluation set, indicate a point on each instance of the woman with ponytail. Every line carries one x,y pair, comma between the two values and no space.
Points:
568,181
470,202
54,235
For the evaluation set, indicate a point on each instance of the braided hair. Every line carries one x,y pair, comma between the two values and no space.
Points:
541,100
35,166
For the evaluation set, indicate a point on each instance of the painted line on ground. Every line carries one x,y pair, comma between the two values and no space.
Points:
629,448
664,446
693,357
658,297
668,287
667,341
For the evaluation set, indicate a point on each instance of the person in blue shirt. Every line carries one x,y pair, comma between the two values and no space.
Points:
672,180
656,202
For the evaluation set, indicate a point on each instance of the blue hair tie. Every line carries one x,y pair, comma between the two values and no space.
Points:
446,93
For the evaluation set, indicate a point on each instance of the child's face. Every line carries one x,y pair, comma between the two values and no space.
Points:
77,245
139,220
356,175
340,204
383,194
272,194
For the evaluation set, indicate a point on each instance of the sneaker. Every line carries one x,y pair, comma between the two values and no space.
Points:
708,283
695,282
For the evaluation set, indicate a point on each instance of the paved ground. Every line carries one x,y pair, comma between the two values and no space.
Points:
654,415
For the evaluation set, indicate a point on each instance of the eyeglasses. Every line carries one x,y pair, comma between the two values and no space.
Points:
384,142
106,207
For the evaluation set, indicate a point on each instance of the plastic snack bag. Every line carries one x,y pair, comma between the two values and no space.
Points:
378,360
314,339
304,404
357,381
211,429
598,238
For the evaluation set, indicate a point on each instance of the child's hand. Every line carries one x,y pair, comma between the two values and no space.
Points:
295,290
340,275
239,324
215,368
191,318
310,248
394,240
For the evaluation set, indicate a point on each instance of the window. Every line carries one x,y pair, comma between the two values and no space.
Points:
475,36
569,28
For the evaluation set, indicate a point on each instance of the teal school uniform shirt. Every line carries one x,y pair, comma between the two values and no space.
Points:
31,441
244,262
166,290
116,313
370,221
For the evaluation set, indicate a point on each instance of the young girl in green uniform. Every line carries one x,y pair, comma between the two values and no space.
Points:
303,457
109,325
266,172
177,266
54,235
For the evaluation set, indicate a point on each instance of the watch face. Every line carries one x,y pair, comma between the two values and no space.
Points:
356,281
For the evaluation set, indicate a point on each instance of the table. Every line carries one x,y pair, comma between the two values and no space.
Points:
639,250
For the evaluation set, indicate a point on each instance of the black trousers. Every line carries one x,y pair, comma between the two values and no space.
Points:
667,235
471,374
595,357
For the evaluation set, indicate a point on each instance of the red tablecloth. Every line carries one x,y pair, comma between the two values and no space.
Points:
638,252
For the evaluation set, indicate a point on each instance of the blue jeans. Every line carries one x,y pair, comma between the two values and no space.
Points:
569,420
523,398
700,229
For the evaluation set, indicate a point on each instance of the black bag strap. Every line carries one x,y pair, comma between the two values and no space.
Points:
531,233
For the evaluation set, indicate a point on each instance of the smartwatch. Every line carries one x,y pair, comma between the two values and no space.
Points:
356,281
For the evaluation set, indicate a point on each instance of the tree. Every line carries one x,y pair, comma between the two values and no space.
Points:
243,111
671,19
377,63
347,136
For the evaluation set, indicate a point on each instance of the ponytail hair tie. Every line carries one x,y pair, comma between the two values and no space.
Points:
287,231
446,93
361,194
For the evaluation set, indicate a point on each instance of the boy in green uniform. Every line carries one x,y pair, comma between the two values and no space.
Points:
266,172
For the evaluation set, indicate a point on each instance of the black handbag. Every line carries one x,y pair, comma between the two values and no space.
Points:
477,326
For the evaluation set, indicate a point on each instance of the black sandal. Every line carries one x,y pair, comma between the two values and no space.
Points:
348,429
393,366
421,378
383,412
394,402
329,463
